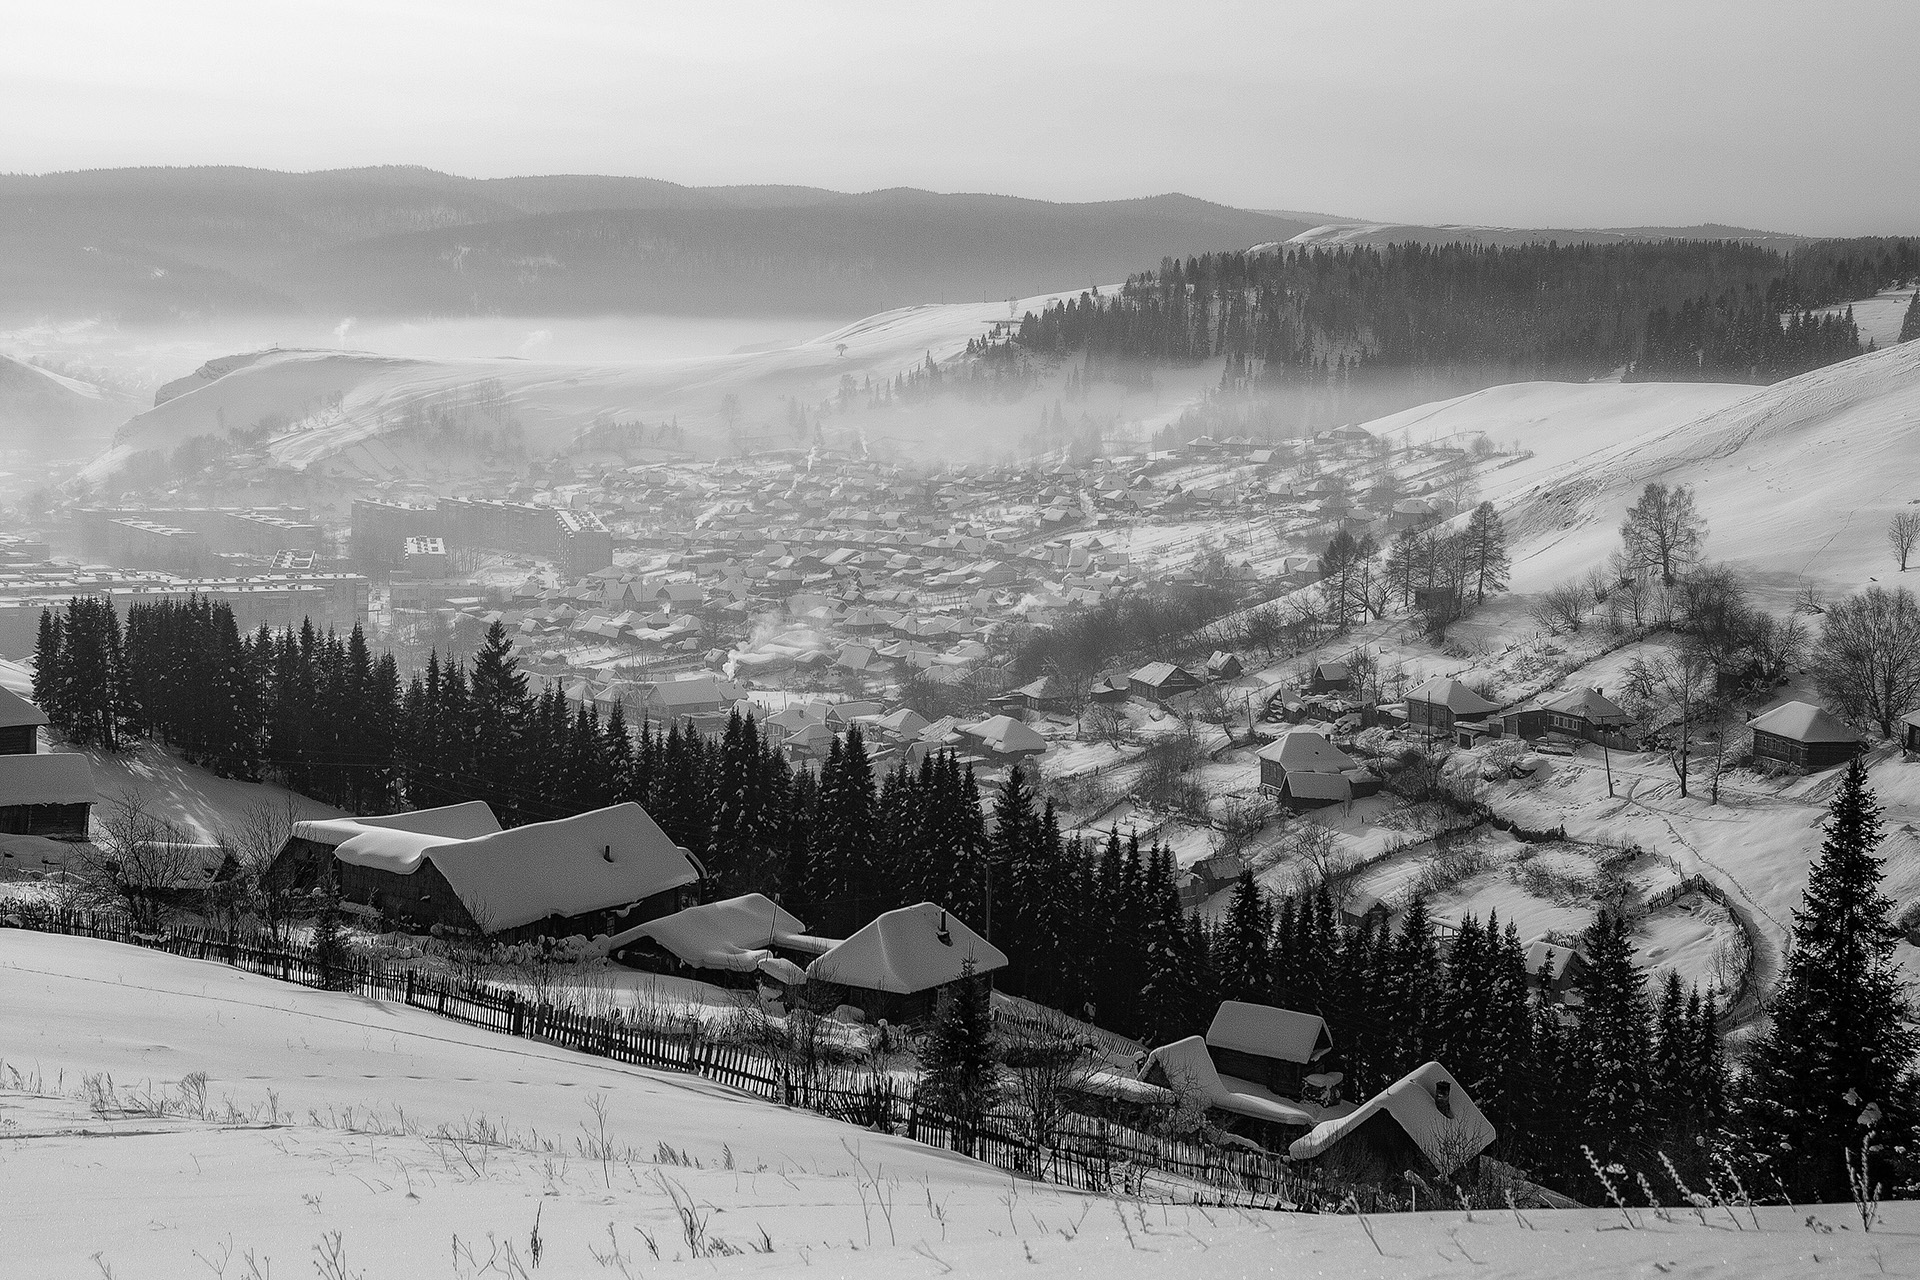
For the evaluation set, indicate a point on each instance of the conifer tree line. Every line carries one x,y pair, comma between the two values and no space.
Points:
1439,318
1092,927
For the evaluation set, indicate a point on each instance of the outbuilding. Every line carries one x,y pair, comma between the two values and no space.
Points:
20,723
1161,681
896,966
1423,1122
1803,736
736,942
45,795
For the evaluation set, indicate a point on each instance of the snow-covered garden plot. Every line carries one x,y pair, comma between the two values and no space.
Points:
331,1131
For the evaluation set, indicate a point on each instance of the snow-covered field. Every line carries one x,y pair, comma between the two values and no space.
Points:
344,1137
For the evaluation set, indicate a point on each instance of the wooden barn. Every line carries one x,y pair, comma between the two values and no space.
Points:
1424,1123
45,795
1803,736
454,870
20,723
896,966
1330,677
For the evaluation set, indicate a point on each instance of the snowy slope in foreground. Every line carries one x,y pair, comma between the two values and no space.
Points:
136,1198
551,399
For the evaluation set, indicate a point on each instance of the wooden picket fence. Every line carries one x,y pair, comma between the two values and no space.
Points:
1081,1152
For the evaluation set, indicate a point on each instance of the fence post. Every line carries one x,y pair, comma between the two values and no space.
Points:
518,1016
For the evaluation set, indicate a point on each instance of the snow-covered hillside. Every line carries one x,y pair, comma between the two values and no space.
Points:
1796,480
338,1136
338,399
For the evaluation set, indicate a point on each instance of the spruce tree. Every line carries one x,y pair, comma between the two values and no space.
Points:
1841,1034
1910,325
960,1076
1615,1036
1487,563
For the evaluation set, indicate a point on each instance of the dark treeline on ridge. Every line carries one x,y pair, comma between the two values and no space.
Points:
1368,329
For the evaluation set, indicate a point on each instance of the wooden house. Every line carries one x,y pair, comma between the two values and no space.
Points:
1555,969
1591,716
1271,1047
1439,702
453,869
1039,696
1184,1073
1423,1122
1161,681
1330,677
1910,731
1222,665
1803,736
897,965
1306,771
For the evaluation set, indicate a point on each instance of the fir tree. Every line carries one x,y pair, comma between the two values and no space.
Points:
1485,551
1841,1035
960,1074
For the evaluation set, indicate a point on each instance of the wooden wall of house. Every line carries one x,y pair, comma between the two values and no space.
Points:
19,740
44,819
1277,1074
1378,1152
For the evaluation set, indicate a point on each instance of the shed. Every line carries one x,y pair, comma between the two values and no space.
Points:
728,943
1555,968
1804,736
1423,1122
1910,730
1185,1068
1330,677
45,795
895,966
1222,665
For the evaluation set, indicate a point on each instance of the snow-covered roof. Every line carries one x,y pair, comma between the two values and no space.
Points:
1803,722
1540,952
1448,1141
902,951
1320,786
461,821
16,710
1590,705
1189,1071
1269,1032
1307,751
66,778
1445,691
1006,735
734,933
589,862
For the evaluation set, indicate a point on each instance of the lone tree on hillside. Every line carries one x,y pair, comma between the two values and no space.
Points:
1902,532
1674,690
1868,658
1663,532
1486,553
1842,1037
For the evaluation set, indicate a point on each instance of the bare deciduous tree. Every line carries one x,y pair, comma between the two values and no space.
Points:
1903,531
252,839
1673,691
141,861
1868,658
1663,531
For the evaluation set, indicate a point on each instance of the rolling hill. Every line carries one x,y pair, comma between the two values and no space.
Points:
46,414
1336,233
333,402
146,244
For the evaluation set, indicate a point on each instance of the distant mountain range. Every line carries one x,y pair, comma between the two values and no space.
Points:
153,244
157,243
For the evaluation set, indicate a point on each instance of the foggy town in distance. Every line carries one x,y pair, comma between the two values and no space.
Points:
892,641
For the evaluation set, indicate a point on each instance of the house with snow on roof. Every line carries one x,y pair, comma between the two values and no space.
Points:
896,966
1423,1122
454,869
749,940
1803,736
1307,772
1162,681
1441,702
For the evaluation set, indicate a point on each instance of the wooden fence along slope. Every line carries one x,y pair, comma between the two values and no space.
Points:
1086,1154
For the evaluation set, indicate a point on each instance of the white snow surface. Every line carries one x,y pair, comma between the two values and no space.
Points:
148,1197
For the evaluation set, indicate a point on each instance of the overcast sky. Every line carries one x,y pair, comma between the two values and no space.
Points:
1786,116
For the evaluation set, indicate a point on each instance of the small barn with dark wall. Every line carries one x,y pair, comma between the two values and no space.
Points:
45,795
593,874
1803,736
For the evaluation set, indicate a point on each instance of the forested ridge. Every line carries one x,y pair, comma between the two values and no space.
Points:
1373,327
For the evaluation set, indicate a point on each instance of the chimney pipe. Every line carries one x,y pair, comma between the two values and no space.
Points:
1443,1098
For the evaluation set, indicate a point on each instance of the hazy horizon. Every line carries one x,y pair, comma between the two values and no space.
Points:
1498,113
